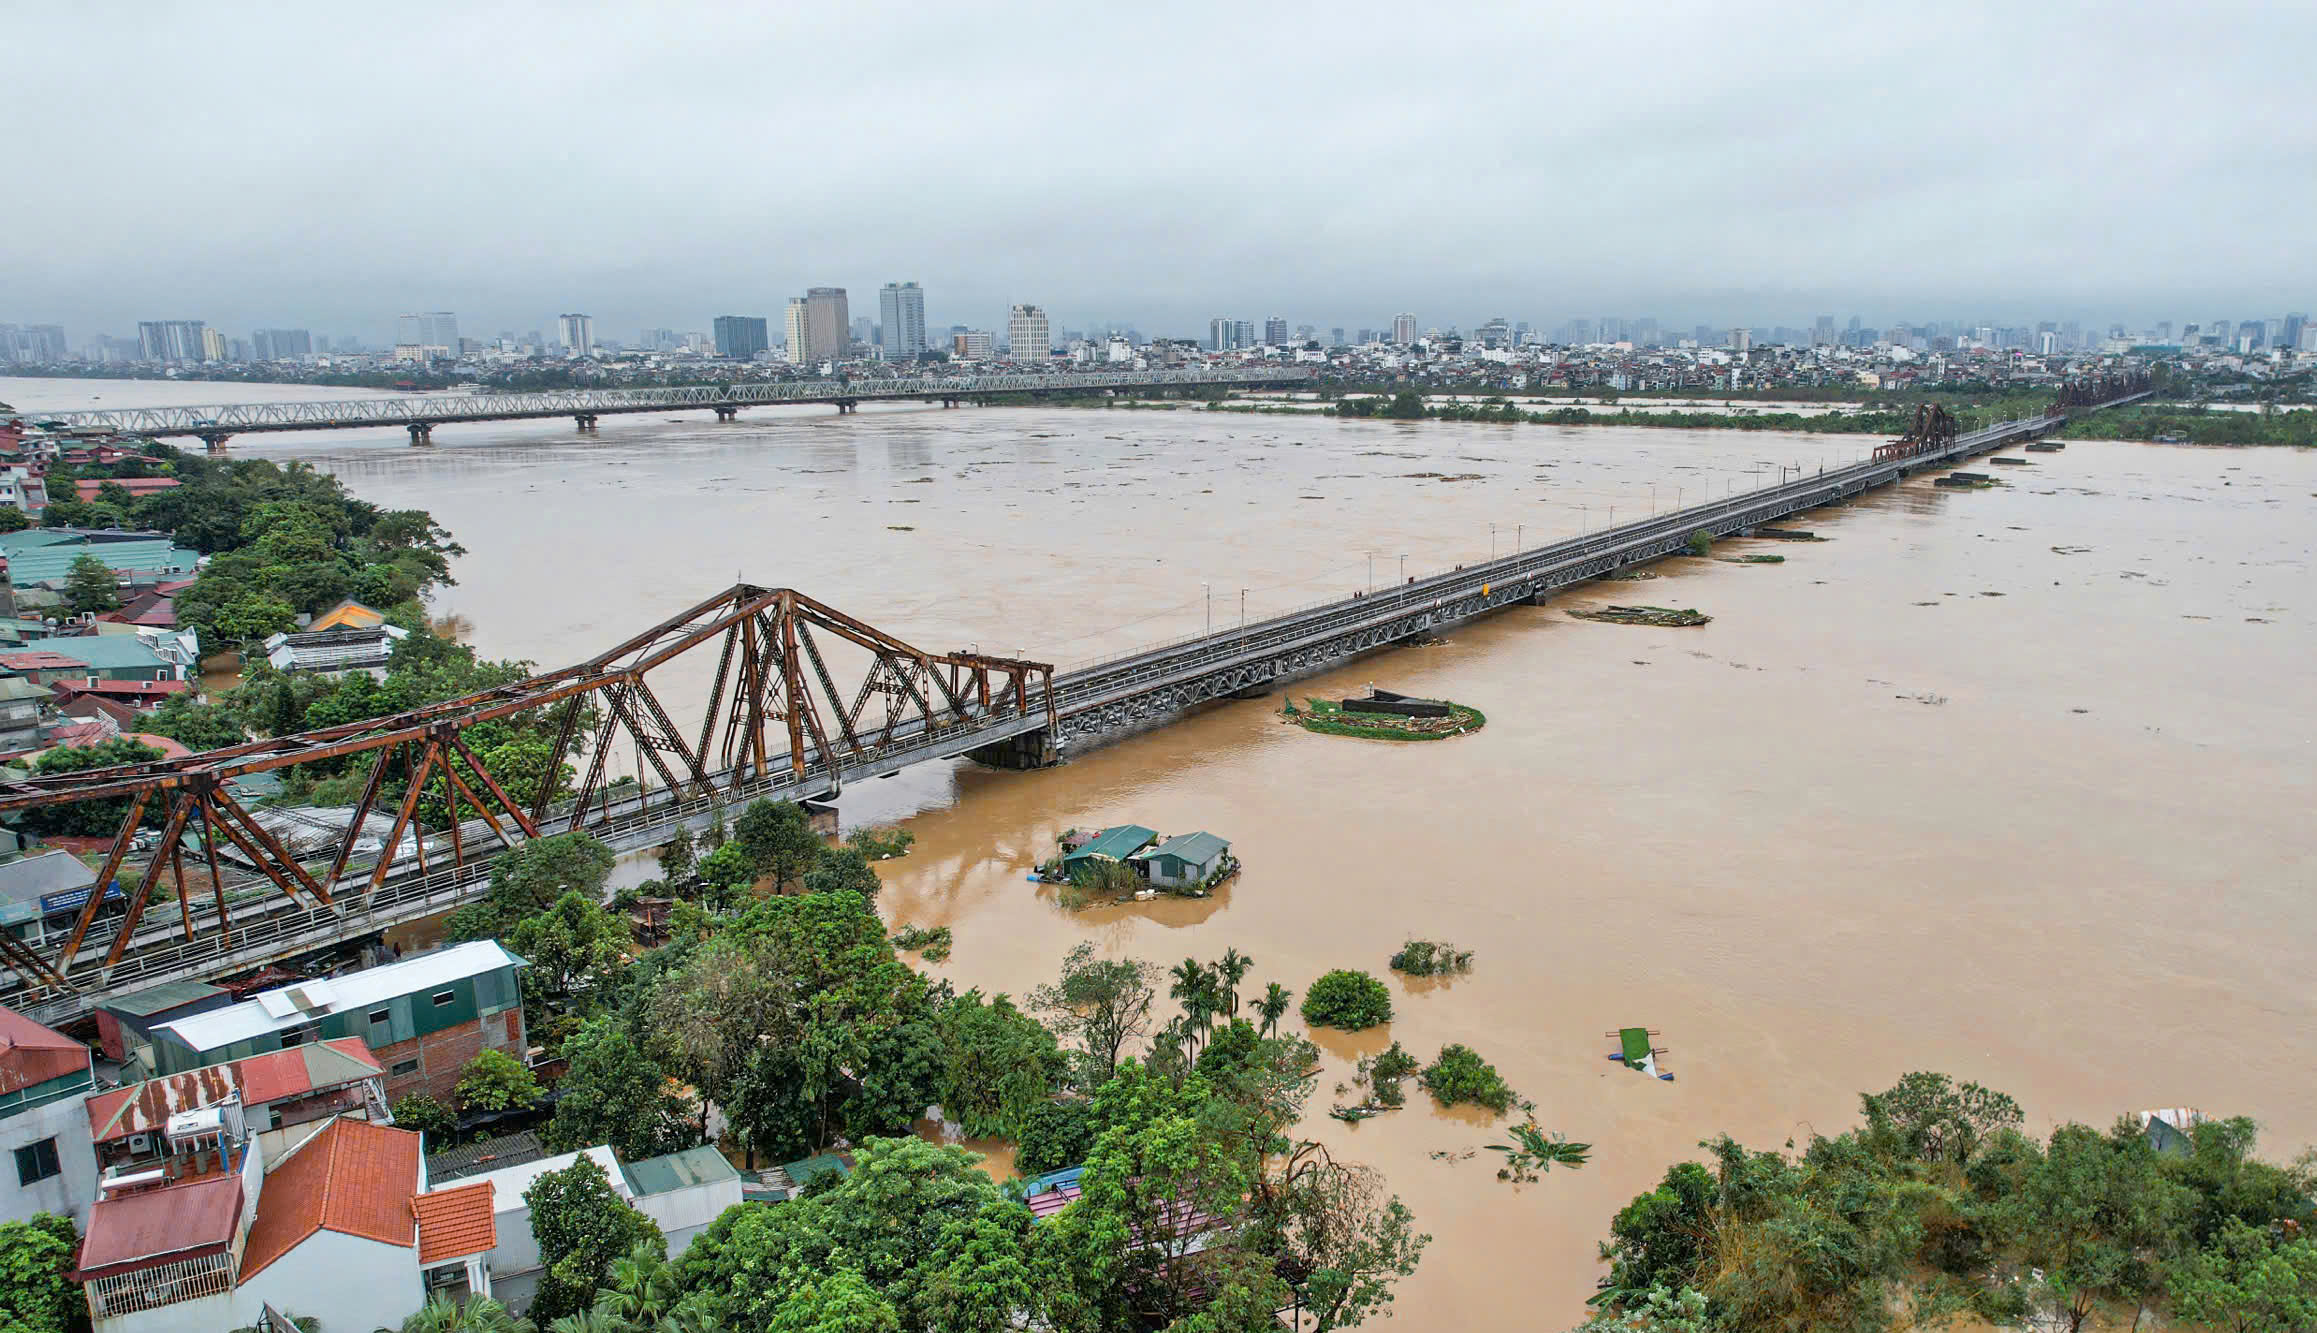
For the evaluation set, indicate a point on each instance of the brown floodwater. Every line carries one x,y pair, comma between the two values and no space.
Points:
2009,783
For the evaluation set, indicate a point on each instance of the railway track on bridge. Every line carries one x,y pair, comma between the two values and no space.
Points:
1088,705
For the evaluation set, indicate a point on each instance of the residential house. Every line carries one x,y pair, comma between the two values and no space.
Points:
424,1017
149,609
682,1192
125,1022
44,556
348,614
284,1097
1116,843
137,696
44,1144
1183,861
331,1230
336,652
21,704
41,894
105,656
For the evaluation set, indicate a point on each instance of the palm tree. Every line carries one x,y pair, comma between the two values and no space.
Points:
476,1314
597,1320
1229,972
1273,1007
1194,986
1531,1151
642,1291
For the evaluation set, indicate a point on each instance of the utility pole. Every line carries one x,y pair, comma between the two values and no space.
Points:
1209,594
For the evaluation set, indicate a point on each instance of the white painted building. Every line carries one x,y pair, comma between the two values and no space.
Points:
47,1162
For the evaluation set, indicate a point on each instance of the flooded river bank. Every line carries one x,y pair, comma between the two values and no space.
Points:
2007,783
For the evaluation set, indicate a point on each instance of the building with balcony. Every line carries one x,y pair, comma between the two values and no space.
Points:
336,652
283,1098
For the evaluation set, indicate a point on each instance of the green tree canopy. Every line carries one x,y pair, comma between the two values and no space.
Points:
582,1226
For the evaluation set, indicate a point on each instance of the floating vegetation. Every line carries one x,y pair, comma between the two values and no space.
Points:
1630,575
1328,717
1532,1151
1789,535
881,844
1381,1074
1644,615
929,942
1460,1076
1751,559
1431,958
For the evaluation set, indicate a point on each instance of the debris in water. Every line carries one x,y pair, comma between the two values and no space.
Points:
899,527
1751,559
1788,535
1645,615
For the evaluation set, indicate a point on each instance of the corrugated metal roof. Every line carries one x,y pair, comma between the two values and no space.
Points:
31,1054
142,1108
162,998
679,1170
511,1181
252,1017
161,1226
28,879
484,1155
1197,848
1115,843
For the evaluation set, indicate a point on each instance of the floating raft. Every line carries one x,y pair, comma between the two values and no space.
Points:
1644,615
2010,462
1634,1051
1788,535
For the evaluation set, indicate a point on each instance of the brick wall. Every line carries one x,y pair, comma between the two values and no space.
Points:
443,1056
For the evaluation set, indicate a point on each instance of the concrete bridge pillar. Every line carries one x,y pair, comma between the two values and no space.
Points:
585,420
1033,749
215,440
727,413
848,406
421,433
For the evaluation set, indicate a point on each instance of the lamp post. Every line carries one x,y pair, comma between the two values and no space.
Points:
1371,571
1403,568
1585,518
1209,594
1492,541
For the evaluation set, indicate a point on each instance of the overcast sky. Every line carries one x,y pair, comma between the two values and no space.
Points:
328,166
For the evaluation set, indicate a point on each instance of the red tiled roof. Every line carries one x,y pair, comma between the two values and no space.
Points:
135,486
455,1223
354,1177
161,1226
30,1053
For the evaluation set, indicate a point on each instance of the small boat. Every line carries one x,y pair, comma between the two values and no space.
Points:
1634,1051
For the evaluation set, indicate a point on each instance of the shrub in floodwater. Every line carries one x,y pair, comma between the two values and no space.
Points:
1431,958
1701,542
878,844
1460,1075
932,942
1347,999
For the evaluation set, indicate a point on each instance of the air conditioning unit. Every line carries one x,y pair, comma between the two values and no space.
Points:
140,1144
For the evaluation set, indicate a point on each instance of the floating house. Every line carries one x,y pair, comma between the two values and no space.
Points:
1118,843
1183,862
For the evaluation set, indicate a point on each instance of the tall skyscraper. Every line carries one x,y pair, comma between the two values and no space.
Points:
1335,337
1242,333
1741,341
280,344
799,330
973,344
212,344
437,332
1823,334
901,311
578,332
1028,335
169,340
1275,332
740,337
2289,334
1403,329
828,325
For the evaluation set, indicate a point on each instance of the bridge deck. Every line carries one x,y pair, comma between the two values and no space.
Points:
1094,703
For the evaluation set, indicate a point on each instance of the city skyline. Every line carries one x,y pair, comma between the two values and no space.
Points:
1762,172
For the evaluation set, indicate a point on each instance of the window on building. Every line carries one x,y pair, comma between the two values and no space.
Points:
299,1035
443,997
37,1162
403,1067
382,1015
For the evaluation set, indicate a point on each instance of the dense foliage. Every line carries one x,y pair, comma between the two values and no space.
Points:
36,1296
1459,1076
582,1226
1938,1207
1347,999
1431,958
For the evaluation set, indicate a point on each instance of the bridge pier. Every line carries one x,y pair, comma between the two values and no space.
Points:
848,406
215,440
727,413
586,421
421,433
1031,749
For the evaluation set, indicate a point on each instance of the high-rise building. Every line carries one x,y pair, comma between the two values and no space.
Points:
740,337
1029,338
799,330
1335,337
1741,341
34,344
2288,335
901,310
436,333
1275,332
280,344
1220,335
828,324
973,344
169,340
864,331
578,333
212,344
1403,329
1242,333
1367,336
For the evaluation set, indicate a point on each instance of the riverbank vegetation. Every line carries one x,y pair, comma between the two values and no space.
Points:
1938,1208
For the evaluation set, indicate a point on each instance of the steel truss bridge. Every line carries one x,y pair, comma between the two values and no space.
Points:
776,726
421,413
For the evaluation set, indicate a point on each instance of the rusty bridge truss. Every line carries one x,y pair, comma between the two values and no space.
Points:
774,718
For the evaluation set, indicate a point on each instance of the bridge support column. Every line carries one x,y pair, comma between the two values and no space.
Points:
848,406
421,433
1034,749
585,420
727,413
215,441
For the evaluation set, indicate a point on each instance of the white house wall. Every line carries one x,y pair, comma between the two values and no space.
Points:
350,1284
71,1190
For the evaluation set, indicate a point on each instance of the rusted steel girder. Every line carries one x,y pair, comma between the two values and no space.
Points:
772,682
